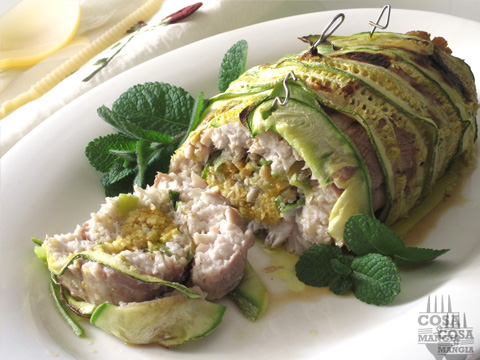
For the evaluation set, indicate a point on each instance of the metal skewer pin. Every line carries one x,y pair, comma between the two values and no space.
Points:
287,90
377,23
326,33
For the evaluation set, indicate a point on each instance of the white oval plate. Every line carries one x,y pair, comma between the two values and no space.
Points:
47,186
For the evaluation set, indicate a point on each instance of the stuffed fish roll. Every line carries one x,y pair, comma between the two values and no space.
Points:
354,125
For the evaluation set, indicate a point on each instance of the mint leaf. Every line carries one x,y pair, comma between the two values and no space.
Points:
114,188
148,161
341,268
364,234
99,151
197,112
128,156
340,284
119,179
130,129
375,279
155,106
314,266
117,172
233,64
195,117
412,256
151,160
159,161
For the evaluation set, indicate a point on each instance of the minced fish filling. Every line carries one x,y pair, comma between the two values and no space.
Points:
266,180
251,187
142,229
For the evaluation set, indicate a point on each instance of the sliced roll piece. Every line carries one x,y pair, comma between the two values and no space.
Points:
140,246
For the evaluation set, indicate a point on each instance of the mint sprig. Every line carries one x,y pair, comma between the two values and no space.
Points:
233,64
373,278
369,265
364,234
152,120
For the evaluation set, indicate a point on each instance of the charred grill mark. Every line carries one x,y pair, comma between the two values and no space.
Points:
450,77
436,62
424,90
348,90
310,55
421,60
365,57
317,86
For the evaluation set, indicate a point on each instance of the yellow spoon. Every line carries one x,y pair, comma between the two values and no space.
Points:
33,29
